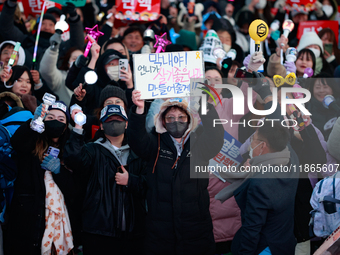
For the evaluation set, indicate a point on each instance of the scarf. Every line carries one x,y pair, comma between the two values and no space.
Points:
269,159
58,227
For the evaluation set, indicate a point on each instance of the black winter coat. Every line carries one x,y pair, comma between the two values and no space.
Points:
321,115
27,210
104,199
178,220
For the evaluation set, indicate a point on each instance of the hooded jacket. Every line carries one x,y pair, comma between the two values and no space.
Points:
104,200
178,220
90,102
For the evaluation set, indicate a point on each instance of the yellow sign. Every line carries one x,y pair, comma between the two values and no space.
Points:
258,30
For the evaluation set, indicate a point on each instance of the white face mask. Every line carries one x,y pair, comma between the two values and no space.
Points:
316,52
251,150
261,4
328,9
226,47
71,63
113,72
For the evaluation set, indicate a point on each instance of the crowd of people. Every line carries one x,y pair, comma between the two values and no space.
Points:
95,169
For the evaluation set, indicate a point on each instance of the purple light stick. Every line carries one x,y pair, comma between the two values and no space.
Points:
92,35
308,72
161,43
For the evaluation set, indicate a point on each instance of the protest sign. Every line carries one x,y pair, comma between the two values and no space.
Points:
317,26
34,7
228,156
129,11
164,75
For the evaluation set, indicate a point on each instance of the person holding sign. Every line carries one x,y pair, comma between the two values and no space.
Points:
178,220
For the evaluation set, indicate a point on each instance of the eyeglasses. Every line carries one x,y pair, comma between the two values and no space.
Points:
171,119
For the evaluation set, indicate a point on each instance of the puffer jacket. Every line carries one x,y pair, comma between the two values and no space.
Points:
178,220
226,216
105,200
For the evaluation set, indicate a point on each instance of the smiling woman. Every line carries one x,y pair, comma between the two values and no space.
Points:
21,81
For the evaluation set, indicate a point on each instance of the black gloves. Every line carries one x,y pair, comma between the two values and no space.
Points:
260,85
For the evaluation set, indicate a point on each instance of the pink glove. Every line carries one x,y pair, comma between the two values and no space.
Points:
246,61
290,67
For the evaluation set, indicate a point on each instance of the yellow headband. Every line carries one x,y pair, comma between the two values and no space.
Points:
279,80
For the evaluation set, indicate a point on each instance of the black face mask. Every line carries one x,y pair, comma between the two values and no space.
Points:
45,35
114,128
176,129
54,128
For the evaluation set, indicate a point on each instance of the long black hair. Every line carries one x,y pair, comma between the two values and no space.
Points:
17,73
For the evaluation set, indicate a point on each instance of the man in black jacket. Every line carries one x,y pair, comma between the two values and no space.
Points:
178,220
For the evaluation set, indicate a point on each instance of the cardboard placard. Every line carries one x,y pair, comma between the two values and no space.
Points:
164,75
331,246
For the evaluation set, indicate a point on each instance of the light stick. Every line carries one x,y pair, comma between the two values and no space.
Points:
92,35
38,35
161,43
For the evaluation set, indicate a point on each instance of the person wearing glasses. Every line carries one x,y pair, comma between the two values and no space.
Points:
178,220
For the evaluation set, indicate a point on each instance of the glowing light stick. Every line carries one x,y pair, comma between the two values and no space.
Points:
92,34
90,78
60,27
161,43
308,72
13,56
38,36
288,26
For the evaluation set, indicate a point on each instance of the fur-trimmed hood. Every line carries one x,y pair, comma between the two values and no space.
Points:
180,102
15,98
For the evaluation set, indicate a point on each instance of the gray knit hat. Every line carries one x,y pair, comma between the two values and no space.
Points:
112,91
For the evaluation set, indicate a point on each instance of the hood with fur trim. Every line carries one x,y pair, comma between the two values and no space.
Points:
180,102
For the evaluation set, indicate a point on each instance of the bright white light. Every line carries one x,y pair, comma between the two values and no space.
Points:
80,118
61,24
91,77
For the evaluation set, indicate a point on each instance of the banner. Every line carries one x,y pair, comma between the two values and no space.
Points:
164,75
229,156
129,11
317,26
33,7
307,5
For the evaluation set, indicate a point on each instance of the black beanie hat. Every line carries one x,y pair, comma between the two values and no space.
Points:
112,91
50,17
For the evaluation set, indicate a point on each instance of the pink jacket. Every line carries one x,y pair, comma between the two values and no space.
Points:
226,217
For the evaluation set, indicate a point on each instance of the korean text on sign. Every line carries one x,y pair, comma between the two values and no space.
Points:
164,75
